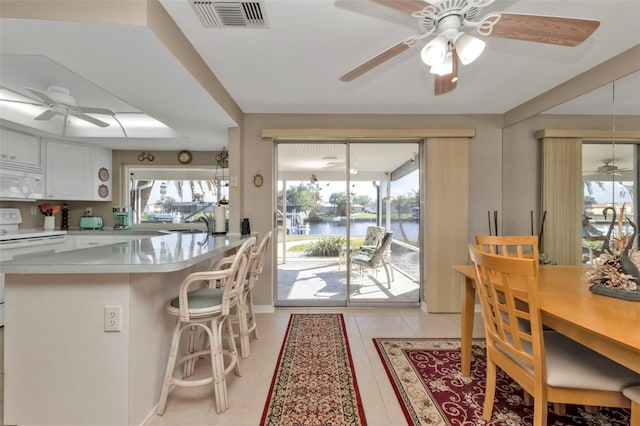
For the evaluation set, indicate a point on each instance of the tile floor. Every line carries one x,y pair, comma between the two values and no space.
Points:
247,394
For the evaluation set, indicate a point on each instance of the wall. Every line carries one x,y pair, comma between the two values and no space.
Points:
485,169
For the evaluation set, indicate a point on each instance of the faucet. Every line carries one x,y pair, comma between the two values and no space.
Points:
207,221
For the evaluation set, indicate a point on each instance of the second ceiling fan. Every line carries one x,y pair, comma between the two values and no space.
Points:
449,22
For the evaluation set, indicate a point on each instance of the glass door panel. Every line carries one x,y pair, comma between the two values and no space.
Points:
311,224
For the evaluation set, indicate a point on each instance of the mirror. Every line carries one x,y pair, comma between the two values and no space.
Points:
610,171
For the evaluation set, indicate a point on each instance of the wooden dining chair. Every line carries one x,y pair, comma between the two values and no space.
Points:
633,393
522,246
546,364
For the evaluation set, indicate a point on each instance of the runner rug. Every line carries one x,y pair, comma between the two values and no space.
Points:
314,382
426,377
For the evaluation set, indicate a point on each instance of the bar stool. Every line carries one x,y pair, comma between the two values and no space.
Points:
207,309
246,314
633,393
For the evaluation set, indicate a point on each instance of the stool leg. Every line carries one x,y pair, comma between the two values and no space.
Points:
168,376
241,310
252,315
217,367
189,366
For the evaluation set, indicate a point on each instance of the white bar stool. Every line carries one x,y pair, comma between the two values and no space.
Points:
207,309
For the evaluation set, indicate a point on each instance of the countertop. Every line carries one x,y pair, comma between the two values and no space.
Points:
168,252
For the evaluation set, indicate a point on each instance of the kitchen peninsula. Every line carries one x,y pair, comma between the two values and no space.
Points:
61,366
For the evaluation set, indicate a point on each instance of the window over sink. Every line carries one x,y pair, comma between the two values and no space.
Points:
174,195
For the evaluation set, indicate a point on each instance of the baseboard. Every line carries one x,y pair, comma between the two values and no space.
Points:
264,309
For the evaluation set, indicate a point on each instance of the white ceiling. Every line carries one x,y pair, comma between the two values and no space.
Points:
294,65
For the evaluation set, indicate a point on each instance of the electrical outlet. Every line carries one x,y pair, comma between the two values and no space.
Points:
112,318
34,210
88,211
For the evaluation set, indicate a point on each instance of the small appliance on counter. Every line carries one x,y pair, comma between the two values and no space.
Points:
122,215
90,223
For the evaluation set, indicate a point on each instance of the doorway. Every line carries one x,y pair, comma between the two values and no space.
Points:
330,197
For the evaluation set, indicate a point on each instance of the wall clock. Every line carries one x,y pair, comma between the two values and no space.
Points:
258,180
103,191
103,174
185,157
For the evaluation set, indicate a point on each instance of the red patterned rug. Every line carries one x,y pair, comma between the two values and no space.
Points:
426,377
314,382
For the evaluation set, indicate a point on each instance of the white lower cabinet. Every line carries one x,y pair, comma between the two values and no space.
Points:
76,171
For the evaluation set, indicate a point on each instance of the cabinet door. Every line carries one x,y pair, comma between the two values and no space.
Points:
20,148
68,171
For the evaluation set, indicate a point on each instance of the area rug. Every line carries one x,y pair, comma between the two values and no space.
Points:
426,377
314,382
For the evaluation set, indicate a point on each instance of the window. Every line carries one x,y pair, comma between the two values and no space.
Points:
175,194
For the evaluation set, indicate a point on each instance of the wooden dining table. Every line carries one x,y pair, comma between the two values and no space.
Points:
608,325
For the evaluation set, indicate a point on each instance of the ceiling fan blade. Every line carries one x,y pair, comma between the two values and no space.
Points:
92,110
380,58
542,29
448,82
47,115
89,119
42,95
22,102
405,6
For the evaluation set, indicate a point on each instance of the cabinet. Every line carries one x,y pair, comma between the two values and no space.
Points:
20,148
73,171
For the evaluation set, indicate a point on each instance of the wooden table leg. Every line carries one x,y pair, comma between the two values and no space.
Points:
468,307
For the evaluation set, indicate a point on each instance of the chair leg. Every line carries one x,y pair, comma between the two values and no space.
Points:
490,392
540,409
190,365
386,270
253,325
233,351
243,329
635,413
171,363
217,367
561,409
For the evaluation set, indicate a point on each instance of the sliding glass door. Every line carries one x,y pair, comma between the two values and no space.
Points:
348,223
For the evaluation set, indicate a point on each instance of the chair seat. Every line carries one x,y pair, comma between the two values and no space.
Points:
570,364
204,301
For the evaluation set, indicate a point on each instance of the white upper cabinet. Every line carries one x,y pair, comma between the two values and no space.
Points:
76,171
19,148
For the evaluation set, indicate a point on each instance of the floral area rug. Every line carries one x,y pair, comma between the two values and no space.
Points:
426,377
314,382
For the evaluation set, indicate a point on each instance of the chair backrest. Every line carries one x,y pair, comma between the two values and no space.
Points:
257,260
506,288
240,265
383,250
373,237
522,246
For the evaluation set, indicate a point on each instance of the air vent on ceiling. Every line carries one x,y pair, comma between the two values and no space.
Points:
227,14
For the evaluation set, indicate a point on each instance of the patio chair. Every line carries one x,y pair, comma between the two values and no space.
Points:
376,258
373,237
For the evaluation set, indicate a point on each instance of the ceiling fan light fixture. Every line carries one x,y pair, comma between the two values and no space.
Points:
446,67
435,51
469,48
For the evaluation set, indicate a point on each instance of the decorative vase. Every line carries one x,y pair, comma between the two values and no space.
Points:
49,223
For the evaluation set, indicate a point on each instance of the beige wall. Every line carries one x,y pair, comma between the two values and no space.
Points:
258,157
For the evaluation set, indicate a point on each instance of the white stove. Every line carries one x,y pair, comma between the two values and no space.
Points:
18,242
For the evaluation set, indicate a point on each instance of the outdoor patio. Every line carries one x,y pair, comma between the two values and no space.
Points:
322,279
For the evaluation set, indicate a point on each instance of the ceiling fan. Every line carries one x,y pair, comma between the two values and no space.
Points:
610,169
59,102
450,22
